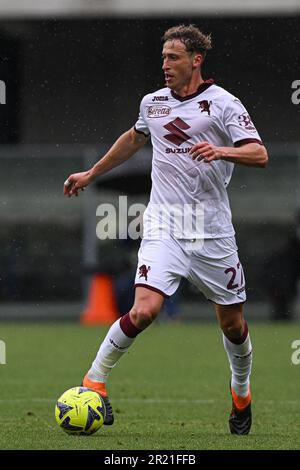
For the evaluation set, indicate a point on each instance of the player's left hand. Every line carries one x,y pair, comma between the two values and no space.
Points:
206,152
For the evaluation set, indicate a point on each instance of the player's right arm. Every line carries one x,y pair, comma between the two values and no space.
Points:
124,147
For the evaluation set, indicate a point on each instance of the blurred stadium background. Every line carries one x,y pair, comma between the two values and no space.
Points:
74,73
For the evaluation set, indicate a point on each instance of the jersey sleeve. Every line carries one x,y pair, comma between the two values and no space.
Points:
141,124
239,127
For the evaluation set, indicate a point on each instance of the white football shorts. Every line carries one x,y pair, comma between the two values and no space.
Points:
212,265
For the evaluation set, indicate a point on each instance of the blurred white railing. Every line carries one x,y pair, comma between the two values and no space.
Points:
70,8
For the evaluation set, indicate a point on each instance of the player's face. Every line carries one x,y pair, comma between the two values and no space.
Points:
178,64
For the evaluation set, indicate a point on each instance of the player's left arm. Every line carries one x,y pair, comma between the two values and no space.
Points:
249,154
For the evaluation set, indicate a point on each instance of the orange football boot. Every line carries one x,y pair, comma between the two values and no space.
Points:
99,387
240,418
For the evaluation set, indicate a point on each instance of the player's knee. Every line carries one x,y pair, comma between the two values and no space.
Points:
234,329
143,315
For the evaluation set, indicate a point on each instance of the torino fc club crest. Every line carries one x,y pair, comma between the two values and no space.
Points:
204,105
143,271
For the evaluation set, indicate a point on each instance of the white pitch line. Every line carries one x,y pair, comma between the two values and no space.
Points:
154,401
131,400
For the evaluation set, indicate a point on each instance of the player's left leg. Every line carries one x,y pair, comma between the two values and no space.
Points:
238,346
218,273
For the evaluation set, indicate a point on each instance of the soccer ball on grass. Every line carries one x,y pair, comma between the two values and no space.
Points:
80,410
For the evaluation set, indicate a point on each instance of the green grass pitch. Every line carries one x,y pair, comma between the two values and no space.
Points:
169,392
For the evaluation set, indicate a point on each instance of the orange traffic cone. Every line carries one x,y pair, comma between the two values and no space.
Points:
102,307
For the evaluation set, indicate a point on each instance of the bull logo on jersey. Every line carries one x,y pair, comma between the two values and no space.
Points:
204,105
176,128
143,271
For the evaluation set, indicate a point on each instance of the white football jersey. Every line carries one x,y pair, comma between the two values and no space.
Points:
197,188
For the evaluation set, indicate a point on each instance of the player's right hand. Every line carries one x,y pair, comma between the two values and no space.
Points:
76,182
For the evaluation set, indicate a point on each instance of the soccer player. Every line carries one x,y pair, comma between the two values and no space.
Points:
198,132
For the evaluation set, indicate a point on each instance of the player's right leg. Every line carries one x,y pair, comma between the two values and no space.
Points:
118,340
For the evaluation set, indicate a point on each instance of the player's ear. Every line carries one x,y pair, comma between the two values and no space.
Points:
198,60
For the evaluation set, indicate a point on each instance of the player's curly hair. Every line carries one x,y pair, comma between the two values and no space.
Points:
191,36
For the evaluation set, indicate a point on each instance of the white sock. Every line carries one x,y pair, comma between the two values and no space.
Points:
112,348
240,360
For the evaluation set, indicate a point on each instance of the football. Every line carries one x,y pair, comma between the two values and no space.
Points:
80,411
